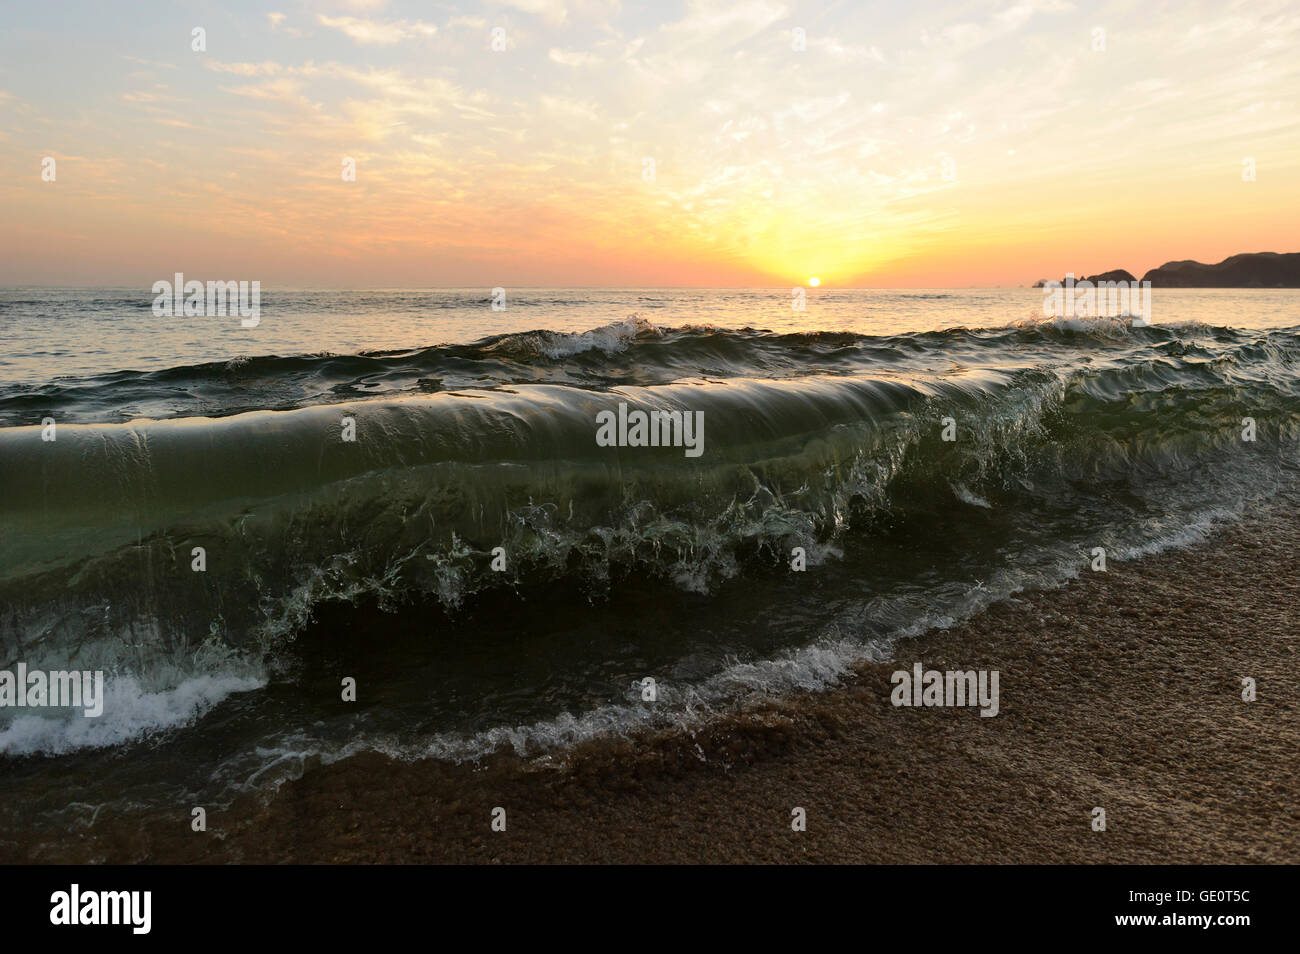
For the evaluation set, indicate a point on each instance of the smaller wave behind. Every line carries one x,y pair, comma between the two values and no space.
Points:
632,352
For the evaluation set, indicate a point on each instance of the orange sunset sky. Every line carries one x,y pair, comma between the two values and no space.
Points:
506,143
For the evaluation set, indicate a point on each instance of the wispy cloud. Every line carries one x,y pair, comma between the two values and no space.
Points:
574,57
378,32
552,11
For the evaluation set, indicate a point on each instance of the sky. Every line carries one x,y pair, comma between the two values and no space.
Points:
606,143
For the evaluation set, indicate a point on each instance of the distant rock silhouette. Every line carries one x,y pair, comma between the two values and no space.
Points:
1114,275
1248,270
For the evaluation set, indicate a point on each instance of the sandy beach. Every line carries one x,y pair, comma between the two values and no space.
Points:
1120,690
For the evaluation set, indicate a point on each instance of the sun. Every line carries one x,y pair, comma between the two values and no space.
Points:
814,281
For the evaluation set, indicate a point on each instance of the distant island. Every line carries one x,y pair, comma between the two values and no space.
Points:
1248,270
1114,275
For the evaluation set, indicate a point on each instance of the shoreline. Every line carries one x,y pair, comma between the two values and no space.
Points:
1119,690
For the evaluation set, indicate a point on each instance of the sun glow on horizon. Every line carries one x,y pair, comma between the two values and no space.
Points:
814,281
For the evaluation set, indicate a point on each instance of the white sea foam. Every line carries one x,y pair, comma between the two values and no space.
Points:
816,667
968,496
130,713
610,339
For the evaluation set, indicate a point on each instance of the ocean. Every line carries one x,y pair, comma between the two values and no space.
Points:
403,491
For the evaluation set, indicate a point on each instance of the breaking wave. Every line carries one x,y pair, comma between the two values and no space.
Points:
1057,429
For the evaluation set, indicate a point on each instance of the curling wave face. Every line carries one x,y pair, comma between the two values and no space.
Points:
1065,436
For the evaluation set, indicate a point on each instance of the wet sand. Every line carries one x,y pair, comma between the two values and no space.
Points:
1121,690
